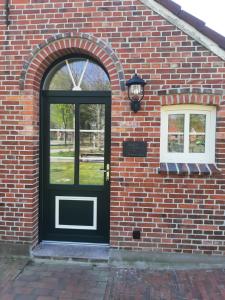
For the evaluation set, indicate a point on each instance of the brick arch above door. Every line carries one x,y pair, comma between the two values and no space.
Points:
43,55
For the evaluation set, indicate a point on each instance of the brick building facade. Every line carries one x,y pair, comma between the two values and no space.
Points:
175,205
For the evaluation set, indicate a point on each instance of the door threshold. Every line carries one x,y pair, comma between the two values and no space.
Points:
74,243
80,252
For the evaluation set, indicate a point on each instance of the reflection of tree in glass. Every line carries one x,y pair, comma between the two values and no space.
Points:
92,118
175,143
62,117
197,123
61,80
176,123
95,78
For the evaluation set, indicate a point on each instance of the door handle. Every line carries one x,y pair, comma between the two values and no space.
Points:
106,171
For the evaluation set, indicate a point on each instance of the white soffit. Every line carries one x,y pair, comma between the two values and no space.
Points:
185,27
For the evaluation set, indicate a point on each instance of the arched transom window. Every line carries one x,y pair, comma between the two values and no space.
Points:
77,74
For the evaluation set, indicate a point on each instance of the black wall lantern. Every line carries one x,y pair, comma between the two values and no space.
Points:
136,88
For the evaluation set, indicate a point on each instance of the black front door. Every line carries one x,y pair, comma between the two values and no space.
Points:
75,154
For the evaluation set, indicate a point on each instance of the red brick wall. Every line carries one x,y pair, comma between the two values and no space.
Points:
174,213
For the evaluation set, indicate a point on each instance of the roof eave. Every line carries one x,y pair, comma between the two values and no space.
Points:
187,23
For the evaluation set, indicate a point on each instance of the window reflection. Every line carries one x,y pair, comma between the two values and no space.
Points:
62,143
176,133
77,74
92,124
197,133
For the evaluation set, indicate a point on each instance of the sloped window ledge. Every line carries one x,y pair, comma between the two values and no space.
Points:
188,169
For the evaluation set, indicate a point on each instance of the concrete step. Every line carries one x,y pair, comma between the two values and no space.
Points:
91,253
118,258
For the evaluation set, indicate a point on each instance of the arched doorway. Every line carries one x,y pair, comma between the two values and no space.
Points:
75,152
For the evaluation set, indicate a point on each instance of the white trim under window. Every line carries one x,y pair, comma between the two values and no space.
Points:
188,134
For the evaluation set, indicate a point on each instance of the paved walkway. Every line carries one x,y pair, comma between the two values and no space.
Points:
10,268
46,280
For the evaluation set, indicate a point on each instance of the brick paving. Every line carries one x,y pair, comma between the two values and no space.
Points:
166,285
69,281
48,281
10,268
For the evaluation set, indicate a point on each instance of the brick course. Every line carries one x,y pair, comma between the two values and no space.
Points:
175,213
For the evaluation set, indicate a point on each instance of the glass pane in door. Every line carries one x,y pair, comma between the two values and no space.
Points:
92,146
62,143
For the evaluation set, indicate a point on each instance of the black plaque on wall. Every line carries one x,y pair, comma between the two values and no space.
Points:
134,149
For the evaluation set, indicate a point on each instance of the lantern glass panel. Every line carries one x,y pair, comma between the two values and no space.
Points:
136,92
136,89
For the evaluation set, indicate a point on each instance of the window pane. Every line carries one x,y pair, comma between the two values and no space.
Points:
197,123
75,74
92,133
62,143
176,123
176,143
196,143
60,80
95,79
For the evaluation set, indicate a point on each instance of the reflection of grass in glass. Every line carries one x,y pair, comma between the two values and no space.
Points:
197,148
63,154
62,173
197,144
63,146
90,174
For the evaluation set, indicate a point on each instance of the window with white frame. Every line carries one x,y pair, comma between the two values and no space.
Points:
188,133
